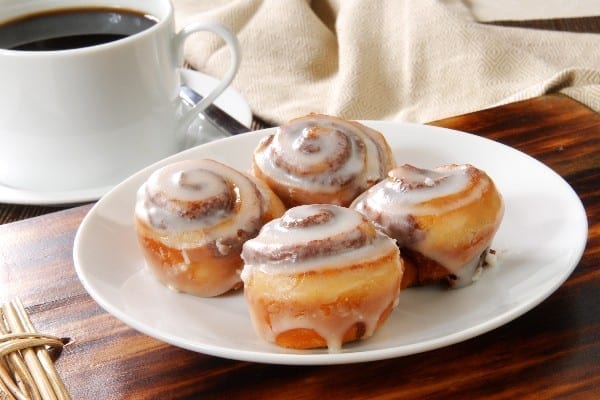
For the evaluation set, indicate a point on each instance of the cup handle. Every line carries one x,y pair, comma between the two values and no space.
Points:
234,51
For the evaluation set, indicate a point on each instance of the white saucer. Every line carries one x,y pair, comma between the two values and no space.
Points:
230,101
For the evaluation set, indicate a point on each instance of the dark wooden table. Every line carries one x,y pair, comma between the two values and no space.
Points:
553,351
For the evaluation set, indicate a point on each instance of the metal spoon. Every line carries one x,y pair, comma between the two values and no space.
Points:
213,113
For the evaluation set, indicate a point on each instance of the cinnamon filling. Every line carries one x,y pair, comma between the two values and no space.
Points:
321,154
320,217
326,150
443,219
352,237
409,177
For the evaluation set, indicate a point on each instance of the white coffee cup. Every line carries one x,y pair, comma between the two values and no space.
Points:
89,117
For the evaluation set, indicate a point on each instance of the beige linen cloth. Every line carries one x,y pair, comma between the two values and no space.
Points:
403,60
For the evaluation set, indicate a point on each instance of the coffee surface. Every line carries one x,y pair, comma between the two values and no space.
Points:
72,28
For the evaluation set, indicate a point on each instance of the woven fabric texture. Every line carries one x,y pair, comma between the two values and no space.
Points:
403,60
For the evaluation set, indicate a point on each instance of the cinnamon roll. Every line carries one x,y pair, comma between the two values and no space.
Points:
320,276
321,159
443,219
191,219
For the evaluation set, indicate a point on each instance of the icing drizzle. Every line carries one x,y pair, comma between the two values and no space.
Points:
307,241
410,195
309,237
195,202
322,153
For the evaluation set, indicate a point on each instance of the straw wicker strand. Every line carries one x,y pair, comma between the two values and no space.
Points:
26,368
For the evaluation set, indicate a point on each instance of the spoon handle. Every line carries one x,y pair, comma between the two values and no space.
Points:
214,113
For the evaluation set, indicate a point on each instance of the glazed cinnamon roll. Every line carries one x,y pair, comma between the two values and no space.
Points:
322,159
320,276
443,219
192,218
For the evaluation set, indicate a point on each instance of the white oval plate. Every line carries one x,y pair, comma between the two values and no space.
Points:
230,101
540,241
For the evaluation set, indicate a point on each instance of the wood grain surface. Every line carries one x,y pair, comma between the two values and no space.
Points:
551,352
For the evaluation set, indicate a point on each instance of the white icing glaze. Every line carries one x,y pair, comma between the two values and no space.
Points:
408,193
331,325
340,238
418,187
322,153
467,273
201,196
491,259
275,236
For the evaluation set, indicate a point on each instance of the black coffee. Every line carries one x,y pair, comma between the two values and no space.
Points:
71,28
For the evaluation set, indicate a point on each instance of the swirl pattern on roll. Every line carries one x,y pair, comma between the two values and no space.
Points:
191,219
322,159
320,276
202,200
308,237
449,214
